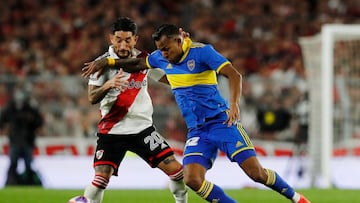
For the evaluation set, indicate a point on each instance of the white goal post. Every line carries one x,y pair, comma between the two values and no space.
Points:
320,56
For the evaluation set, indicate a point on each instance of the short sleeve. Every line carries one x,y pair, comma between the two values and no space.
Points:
93,80
156,74
152,60
213,58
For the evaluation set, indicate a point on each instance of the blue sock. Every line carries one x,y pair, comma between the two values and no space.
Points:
275,182
213,193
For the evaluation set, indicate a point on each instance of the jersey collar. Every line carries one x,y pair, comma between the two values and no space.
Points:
186,48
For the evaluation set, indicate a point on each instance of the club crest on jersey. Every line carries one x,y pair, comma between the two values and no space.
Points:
99,154
191,64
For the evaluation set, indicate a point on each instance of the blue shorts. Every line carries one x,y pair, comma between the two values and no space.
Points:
203,143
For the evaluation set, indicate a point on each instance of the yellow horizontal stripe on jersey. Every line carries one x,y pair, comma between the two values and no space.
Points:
186,80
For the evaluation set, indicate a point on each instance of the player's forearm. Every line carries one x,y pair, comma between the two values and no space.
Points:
96,94
129,65
235,83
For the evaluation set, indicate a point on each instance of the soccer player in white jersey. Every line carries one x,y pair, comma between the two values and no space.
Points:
126,118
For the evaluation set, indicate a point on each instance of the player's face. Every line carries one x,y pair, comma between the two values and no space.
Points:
170,48
123,43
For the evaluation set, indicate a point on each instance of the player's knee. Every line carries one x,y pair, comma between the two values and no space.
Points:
257,175
104,171
192,181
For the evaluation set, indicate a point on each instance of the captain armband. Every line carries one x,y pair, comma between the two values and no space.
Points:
111,61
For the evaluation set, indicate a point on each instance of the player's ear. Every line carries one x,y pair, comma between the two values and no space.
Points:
178,40
136,38
111,36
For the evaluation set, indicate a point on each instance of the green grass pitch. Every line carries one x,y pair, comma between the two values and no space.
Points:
40,195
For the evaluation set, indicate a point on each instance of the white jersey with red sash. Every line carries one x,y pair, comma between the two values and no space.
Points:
129,111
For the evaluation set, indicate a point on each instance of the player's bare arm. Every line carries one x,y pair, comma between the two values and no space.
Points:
96,93
235,83
129,65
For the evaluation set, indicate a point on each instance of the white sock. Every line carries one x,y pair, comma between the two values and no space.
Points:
95,191
179,191
296,197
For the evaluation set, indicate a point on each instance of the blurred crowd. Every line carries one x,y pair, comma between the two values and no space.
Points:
44,44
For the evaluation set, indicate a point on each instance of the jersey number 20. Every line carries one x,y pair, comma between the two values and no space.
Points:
155,140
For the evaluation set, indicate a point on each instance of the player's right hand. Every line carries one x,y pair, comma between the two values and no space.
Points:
93,67
118,81
233,115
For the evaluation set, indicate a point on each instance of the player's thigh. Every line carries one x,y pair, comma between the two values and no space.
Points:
110,151
199,149
151,147
194,172
233,141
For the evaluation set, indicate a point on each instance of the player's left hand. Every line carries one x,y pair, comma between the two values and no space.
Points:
94,66
233,115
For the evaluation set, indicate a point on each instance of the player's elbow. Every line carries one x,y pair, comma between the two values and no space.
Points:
93,100
230,71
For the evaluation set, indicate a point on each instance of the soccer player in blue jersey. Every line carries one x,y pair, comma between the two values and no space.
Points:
213,123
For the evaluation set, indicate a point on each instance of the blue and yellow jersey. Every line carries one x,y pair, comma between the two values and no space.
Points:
193,81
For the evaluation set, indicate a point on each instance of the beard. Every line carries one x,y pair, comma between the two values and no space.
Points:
123,54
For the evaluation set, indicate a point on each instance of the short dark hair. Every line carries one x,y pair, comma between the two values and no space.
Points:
124,24
168,30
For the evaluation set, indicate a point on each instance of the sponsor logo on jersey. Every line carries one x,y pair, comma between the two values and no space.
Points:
239,144
169,66
137,84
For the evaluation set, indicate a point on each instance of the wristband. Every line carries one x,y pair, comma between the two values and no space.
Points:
111,61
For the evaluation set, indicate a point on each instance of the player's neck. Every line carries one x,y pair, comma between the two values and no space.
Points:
179,57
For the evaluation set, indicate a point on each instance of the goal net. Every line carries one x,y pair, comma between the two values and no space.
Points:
332,63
